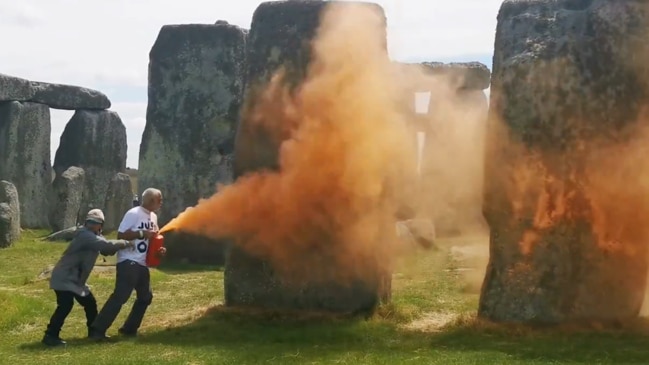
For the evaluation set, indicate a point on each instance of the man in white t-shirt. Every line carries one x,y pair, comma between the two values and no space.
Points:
138,225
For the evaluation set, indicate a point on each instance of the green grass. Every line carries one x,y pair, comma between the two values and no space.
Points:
186,323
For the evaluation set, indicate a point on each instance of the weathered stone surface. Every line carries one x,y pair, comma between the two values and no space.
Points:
15,88
465,75
565,169
251,282
57,96
68,97
280,37
195,92
96,142
67,197
25,158
9,214
194,249
119,199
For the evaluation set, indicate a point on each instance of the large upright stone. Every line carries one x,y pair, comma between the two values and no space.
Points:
566,196
25,158
119,199
9,214
195,93
96,142
280,38
67,198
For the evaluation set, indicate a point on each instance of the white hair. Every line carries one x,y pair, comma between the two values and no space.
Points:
149,195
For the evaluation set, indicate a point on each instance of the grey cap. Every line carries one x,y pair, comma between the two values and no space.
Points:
95,216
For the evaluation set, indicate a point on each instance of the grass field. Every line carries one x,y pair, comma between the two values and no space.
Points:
431,321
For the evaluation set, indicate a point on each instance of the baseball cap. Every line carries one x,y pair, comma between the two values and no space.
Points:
96,216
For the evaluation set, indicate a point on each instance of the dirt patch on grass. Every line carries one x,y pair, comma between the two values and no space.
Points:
431,322
176,319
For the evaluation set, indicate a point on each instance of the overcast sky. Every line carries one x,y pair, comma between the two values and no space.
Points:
105,45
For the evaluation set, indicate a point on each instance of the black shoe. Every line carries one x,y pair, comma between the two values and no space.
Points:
50,340
126,333
98,336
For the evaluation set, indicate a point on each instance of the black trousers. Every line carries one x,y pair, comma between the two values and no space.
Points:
64,303
130,276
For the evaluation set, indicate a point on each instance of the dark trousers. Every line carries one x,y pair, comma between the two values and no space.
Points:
64,304
130,276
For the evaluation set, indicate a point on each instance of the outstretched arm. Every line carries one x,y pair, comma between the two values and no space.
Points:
134,234
106,247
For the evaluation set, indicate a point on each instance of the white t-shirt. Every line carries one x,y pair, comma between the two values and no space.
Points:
136,219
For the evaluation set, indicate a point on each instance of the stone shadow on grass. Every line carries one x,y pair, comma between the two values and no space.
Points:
586,343
273,333
172,268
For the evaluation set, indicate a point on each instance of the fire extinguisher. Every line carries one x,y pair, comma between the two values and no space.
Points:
152,254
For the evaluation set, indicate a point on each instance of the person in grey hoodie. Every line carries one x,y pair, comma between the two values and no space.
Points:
72,271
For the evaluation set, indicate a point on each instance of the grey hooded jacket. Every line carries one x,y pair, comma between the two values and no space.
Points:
74,267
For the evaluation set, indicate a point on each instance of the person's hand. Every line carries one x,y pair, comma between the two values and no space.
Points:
128,244
149,233
162,251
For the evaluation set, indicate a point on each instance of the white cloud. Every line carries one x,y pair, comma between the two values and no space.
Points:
20,15
93,41
105,44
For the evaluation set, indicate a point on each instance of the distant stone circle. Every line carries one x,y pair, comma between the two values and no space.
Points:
89,163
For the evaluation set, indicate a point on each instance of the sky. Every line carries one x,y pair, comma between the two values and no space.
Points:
105,45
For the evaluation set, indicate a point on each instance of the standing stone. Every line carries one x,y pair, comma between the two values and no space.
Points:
194,249
565,170
9,214
96,142
195,93
280,37
67,197
25,158
119,200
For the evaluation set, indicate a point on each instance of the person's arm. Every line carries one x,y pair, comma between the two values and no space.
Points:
131,235
125,231
163,250
104,246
